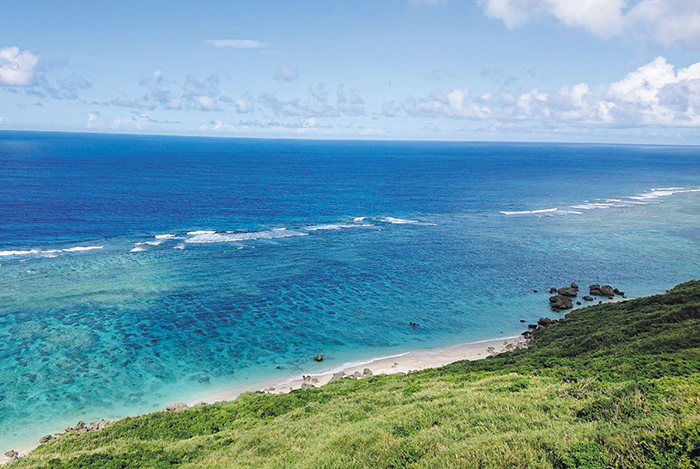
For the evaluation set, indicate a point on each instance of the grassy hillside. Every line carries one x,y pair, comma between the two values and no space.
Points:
615,385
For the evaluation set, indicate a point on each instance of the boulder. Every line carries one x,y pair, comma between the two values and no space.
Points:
319,357
12,454
605,290
45,439
588,298
532,326
357,374
306,386
544,321
337,376
367,372
618,292
175,406
574,286
560,302
568,291
553,290
101,424
578,303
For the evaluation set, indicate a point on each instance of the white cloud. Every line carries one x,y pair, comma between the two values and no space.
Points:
664,21
4,120
655,94
245,104
16,69
235,43
202,95
286,74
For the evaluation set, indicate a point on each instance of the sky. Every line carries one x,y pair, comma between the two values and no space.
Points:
611,71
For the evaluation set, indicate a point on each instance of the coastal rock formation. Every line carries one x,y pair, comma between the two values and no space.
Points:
588,298
306,386
319,357
532,326
560,302
175,406
367,373
605,290
13,455
337,376
45,439
544,322
568,291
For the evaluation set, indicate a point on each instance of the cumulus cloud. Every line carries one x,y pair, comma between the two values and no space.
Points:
304,126
194,93
21,74
17,69
665,21
349,102
235,43
245,104
286,74
656,94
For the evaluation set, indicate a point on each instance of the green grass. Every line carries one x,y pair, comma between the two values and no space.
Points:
613,385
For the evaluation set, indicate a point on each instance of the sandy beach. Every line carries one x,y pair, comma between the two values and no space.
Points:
403,363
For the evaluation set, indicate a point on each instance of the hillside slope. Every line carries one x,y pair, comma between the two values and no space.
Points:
613,385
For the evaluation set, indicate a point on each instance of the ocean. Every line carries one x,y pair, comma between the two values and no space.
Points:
137,270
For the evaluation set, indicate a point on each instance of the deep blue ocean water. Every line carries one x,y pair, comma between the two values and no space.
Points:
138,270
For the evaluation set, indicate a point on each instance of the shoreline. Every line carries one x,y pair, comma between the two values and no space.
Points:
413,360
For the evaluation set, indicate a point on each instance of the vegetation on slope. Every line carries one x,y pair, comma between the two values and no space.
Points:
613,385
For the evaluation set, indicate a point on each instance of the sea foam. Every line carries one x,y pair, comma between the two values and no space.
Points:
49,252
529,212
228,237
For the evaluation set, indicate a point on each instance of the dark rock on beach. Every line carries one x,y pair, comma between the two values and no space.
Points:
306,386
544,322
45,439
367,372
12,454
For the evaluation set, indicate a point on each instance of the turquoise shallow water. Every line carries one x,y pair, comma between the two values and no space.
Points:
139,270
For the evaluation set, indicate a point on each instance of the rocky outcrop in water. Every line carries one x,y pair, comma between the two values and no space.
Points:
560,302
605,290
319,357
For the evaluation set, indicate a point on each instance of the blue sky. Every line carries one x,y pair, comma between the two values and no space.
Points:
540,70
